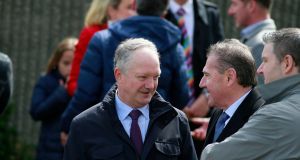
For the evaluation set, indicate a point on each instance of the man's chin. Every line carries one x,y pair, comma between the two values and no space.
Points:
210,102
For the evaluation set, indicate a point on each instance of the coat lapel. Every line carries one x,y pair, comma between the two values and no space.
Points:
242,114
211,130
160,115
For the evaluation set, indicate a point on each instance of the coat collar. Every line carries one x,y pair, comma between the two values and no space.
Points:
157,106
161,113
267,24
250,104
277,90
201,10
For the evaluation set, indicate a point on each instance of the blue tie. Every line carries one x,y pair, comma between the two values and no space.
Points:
135,132
220,125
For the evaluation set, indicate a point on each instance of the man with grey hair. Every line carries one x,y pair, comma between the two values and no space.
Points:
229,77
133,121
272,132
6,80
96,70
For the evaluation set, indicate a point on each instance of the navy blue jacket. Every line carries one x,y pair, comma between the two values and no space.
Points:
97,133
49,100
96,71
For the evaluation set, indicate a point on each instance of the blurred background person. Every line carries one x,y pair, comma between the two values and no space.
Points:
6,80
50,98
100,14
254,19
201,26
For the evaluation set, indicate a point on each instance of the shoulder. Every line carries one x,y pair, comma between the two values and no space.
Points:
45,77
5,66
88,116
92,29
210,5
4,59
101,36
181,116
255,97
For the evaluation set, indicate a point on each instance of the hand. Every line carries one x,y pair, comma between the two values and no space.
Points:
62,83
63,138
200,133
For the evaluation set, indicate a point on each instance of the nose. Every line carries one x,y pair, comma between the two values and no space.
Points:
260,69
202,83
230,11
150,83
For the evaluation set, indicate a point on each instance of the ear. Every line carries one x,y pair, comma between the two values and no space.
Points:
288,64
251,5
117,73
231,76
110,12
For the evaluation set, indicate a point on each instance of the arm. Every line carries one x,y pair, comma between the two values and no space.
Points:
45,106
6,80
179,89
74,148
253,141
200,133
80,50
188,149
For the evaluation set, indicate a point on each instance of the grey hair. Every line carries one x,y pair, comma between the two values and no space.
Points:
231,53
124,52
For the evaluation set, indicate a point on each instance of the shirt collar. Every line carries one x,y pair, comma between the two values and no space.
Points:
248,30
232,108
123,109
188,6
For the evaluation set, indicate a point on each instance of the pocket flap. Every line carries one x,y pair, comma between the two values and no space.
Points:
168,148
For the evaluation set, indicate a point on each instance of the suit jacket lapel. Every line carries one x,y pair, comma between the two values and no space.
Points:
165,115
115,122
241,115
211,130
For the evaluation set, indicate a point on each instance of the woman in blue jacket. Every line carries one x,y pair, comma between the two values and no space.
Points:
50,98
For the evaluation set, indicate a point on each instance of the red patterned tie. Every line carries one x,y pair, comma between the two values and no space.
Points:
135,132
185,41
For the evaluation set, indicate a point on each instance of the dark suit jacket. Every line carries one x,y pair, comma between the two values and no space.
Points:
208,30
97,133
250,104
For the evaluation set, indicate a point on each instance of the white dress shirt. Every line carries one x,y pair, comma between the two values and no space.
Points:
123,111
188,16
232,108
